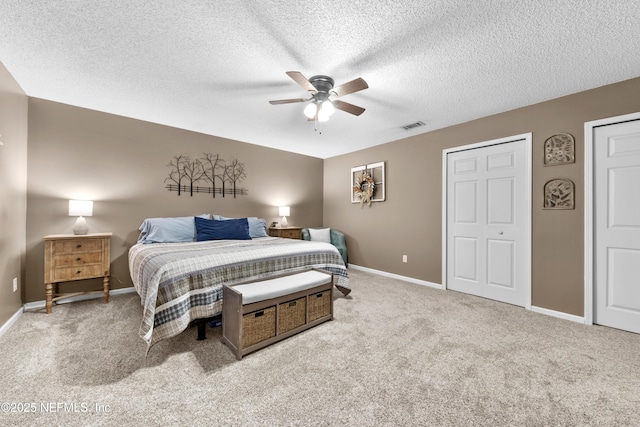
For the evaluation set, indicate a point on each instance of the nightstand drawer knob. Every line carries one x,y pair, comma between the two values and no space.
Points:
78,259
78,246
78,272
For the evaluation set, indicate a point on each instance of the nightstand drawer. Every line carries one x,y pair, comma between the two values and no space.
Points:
77,245
63,274
78,259
286,232
290,234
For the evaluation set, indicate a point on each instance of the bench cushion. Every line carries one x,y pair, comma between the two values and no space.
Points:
279,286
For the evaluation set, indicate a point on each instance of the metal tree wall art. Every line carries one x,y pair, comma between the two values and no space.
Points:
223,177
558,194
559,149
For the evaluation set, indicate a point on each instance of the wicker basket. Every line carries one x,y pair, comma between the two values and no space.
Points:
292,314
319,305
258,326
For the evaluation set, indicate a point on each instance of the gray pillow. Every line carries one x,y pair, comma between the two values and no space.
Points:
257,227
169,230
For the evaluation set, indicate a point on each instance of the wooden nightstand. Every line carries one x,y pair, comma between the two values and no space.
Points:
69,257
286,232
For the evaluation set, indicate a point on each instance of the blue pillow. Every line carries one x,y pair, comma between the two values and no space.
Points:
231,229
257,226
168,230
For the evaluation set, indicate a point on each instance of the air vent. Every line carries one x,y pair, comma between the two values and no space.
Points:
413,125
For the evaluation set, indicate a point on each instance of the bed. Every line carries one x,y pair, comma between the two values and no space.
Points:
182,281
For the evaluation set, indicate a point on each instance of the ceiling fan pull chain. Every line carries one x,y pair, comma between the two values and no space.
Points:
316,126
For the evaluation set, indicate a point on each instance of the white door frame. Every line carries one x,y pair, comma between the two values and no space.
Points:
589,207
527,137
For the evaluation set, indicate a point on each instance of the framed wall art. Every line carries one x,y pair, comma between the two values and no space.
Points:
367,183
558,194
559,149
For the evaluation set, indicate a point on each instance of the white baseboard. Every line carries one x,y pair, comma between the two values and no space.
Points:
37,305
558,314
13,319
396,276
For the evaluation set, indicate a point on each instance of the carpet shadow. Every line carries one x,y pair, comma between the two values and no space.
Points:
92,335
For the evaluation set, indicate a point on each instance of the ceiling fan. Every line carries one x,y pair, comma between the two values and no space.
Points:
323,96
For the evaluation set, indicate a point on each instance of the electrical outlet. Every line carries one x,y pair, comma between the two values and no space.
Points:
15,284
404,258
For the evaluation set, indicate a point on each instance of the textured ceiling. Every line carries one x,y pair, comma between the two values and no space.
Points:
212,66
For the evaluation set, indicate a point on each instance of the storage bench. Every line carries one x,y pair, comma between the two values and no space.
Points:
259,313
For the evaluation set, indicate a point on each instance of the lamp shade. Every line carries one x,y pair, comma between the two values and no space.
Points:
284,211
80,207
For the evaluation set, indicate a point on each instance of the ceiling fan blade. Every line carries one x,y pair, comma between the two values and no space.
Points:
302,81
287,101
350,87
349,108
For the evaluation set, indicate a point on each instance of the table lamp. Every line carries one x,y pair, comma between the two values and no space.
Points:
80,208
285,211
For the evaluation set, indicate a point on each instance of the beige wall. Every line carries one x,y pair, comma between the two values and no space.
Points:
121,163
13,192
409,221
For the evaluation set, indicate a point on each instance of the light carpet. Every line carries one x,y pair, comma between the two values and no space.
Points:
396,353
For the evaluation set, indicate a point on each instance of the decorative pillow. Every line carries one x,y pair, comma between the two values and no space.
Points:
231,229
168,230
257,226
320,234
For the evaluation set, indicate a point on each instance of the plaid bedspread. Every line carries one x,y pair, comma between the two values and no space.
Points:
181,282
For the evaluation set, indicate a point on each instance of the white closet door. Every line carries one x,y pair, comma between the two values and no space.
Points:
616,153
488,231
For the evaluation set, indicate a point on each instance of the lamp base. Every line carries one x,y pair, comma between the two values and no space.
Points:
80,227
283,223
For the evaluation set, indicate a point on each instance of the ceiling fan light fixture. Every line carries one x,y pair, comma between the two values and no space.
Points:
328,108
311,110
322,116
321,88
